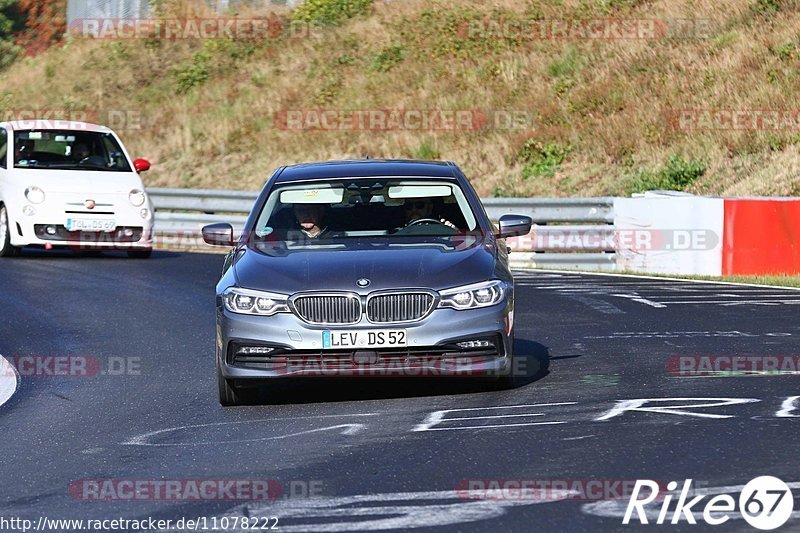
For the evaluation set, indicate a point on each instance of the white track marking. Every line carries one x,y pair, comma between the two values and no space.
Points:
9,380
566,273
732,303
347,429
706,292
742,295
144,439
789,405
438,417
496,426
624,406
636,298
741,374
378,512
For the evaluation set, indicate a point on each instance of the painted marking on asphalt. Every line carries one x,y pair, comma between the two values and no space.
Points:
787,407
384,511
729,303
717,295
9,380
624,406
683,334
661,292
579,438
655,295
636,298
598,305
741,374
438,417
583,274
146,438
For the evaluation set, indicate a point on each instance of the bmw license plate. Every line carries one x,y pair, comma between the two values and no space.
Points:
376,338
90,224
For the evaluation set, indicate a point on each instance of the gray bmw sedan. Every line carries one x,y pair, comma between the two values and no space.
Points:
364,268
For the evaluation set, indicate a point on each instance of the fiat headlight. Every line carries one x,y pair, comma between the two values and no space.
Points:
137,197
35,195
249,302
473,296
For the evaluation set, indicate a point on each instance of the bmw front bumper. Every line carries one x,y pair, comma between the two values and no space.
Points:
431,351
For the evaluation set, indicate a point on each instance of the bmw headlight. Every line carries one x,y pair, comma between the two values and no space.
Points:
35,195
250,302
473,296
136,197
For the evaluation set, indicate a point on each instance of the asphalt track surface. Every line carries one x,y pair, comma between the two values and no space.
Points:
384,454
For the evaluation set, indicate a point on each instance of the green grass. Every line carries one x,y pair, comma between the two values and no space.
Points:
676,175
777,280
774,281
329,12
597,113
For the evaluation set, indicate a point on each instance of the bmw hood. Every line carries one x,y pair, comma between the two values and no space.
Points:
388,267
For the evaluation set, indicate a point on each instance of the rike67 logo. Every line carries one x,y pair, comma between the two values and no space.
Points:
765,503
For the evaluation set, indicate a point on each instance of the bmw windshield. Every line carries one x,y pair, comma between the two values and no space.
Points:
392,210
68,150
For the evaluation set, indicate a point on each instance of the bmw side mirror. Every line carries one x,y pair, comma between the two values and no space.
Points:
218,234
513,225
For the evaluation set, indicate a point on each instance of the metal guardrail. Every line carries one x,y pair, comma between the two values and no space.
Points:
183,212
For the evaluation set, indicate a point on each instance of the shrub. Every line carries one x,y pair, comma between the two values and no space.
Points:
542,159
219,55
329,12
45,24
766,8
787,52
9,52
192,74
427,152
9,23
677,174
567,66
387,58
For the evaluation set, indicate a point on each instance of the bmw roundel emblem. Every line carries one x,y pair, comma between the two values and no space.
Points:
363,282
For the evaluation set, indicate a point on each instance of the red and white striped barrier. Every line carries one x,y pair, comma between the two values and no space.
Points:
762,236
709,236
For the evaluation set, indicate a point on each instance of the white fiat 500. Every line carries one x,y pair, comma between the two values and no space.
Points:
71,184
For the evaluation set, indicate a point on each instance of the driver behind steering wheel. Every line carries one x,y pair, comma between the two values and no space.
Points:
81,152
421,209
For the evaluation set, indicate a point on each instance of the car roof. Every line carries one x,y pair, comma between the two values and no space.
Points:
367,168
54,124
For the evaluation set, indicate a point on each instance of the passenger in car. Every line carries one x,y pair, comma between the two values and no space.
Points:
24,150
